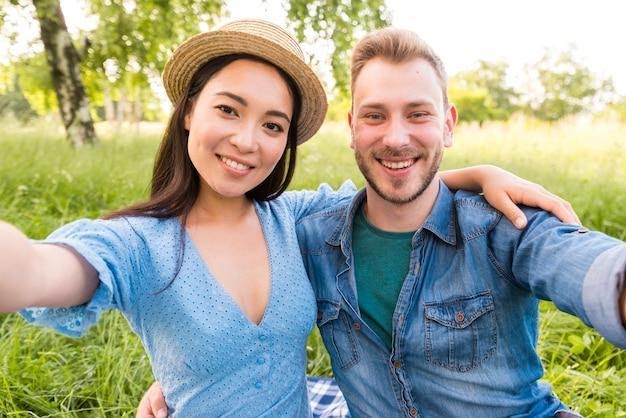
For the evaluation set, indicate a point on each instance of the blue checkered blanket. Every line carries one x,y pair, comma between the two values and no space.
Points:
325,398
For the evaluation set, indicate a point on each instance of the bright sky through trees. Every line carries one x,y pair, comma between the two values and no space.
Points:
465,31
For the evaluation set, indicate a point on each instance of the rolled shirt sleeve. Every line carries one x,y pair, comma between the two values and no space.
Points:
602,287
581,271
111,248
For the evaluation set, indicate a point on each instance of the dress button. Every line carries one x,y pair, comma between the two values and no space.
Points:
459,317
260,360
262,337
413,412
258,385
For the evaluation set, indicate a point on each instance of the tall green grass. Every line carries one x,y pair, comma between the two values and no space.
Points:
45,184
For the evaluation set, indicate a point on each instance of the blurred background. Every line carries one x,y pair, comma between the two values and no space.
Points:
540,87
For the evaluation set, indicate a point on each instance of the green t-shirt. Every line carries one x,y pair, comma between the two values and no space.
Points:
381,262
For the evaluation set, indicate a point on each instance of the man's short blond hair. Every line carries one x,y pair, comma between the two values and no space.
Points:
397,46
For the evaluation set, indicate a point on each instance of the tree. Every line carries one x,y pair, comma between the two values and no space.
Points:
132,42
482,93
12,100
473,103
565,87
125,51
339,22
64,64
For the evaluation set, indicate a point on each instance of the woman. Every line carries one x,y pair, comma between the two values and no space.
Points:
207,271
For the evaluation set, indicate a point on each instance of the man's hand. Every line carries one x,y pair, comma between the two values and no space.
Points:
152,404
504,191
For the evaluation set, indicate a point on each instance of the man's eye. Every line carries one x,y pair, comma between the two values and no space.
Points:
374,116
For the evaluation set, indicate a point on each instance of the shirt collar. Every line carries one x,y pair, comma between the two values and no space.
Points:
440,221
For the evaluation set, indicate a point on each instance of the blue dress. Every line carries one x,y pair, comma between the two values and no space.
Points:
209,358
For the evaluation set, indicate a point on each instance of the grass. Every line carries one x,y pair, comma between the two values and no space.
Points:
46,184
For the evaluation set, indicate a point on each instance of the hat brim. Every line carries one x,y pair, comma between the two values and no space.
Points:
201,48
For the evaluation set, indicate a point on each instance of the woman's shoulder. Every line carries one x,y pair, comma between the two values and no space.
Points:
303,202
121,230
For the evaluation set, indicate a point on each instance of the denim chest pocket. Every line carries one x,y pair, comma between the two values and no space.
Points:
460,333
338,333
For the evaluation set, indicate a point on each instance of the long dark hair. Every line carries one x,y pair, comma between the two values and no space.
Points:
176,183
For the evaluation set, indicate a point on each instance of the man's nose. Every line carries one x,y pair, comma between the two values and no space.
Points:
397,133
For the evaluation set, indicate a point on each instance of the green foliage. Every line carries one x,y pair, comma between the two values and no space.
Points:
131,44
338,21
566,87
13,103
35,81
473,104
338,109
46,184
618,108
482,94
127,48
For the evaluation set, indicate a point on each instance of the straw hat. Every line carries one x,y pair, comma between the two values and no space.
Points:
254,37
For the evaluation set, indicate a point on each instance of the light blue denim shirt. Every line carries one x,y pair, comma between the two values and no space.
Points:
465,324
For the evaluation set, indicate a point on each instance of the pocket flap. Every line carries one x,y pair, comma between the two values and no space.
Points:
327,311
459,312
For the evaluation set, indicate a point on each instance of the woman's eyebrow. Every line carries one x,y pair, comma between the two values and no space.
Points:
278,114
233,96
243,101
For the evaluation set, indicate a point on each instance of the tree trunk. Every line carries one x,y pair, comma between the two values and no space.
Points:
64,66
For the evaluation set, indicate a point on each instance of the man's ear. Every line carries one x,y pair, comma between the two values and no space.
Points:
350,124
450,124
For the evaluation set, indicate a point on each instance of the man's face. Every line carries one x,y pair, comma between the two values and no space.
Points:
399,127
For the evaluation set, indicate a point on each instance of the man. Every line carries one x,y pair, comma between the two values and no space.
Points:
428,299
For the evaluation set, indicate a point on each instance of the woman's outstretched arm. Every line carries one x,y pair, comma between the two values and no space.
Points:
41,274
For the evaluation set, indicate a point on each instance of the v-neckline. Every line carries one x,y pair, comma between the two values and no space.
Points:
190,243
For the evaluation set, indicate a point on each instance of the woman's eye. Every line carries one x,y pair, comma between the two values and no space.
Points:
227,109
274,127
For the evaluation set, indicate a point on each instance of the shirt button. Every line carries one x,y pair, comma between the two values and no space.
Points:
260,360
397,364
262,337
319,316
413,412
459,317
356,326
258,385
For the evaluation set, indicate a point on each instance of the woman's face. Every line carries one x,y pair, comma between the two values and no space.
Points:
238,128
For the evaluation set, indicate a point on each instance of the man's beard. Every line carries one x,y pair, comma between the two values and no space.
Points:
398,183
